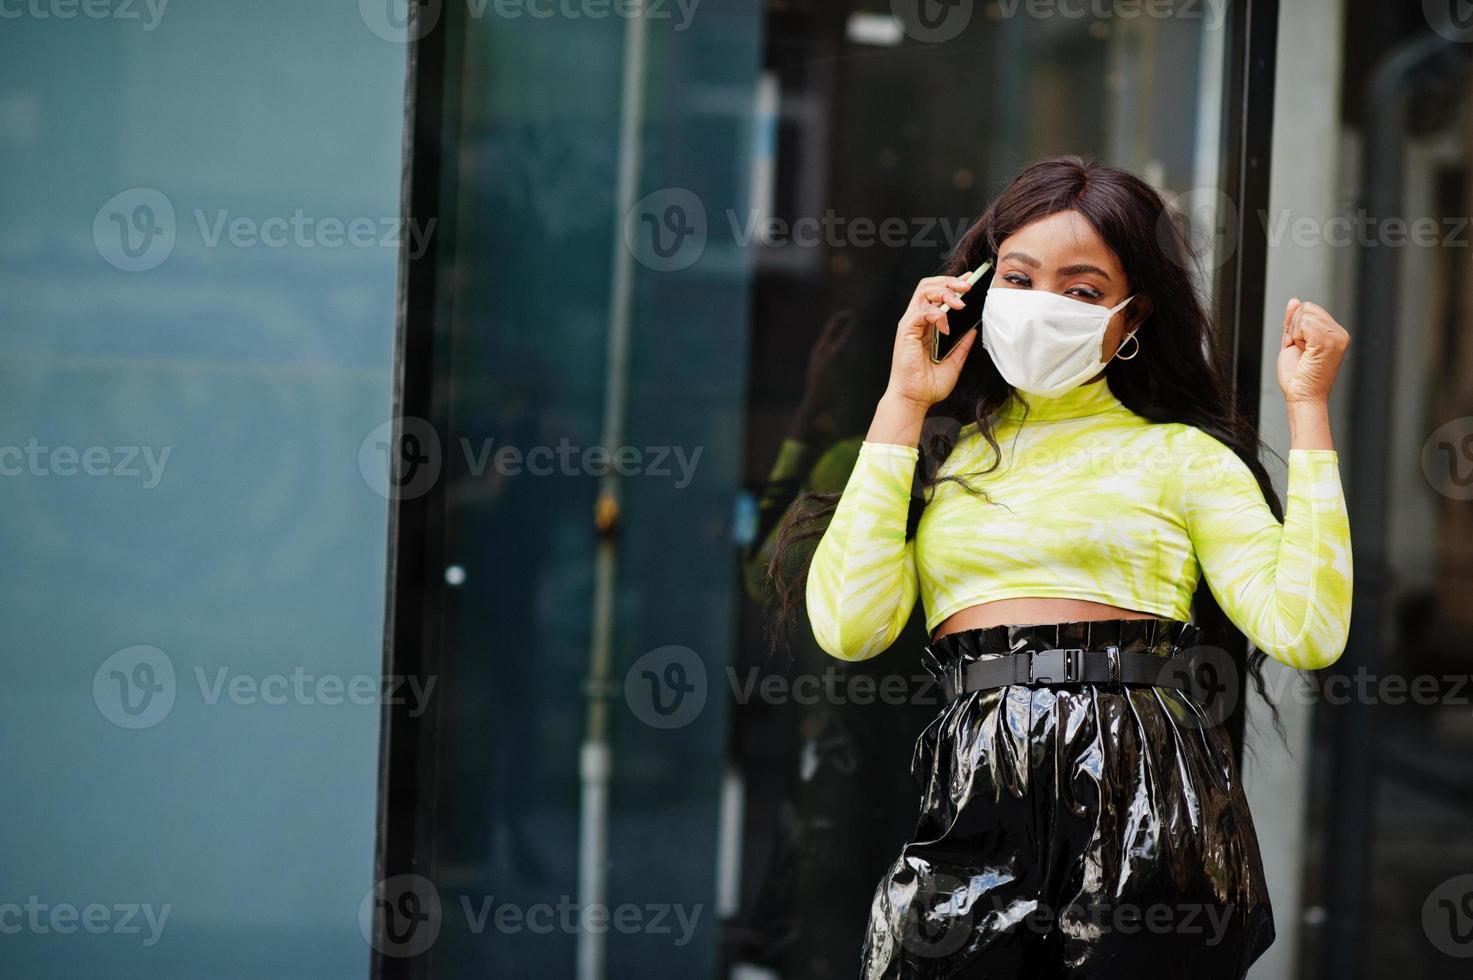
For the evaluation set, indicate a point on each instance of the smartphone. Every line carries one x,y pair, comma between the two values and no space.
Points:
962,321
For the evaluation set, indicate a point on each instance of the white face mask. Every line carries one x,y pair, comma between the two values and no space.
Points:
1044,343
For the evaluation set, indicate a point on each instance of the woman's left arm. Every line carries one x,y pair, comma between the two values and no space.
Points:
1287,586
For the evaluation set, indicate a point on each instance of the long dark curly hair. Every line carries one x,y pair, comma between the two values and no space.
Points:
1178,376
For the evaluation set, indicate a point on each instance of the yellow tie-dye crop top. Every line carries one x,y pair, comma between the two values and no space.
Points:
1088,501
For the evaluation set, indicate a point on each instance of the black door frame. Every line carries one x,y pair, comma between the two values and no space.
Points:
415,587
1246,148
415,583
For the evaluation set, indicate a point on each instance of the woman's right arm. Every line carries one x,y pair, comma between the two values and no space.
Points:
862,582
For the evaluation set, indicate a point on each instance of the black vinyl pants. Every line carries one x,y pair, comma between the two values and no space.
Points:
1072,830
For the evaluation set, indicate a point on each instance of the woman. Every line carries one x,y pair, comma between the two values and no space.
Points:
1081,813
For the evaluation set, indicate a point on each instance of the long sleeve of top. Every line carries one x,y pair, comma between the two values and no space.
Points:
1087,500
1286,586
862,583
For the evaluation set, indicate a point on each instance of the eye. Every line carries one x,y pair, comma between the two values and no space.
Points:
1084,292
1017,279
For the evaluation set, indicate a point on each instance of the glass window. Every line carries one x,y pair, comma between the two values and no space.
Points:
196,345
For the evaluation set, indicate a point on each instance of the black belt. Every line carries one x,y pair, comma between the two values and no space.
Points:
1068,665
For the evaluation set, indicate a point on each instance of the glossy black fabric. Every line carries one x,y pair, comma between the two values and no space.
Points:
1074,830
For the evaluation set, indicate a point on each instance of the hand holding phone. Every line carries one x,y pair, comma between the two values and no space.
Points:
943,344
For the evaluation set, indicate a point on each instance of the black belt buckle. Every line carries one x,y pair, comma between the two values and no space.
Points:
1061,666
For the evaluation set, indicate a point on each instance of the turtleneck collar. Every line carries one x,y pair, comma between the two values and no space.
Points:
1094,398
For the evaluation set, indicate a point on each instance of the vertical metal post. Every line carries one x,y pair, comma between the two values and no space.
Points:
595,760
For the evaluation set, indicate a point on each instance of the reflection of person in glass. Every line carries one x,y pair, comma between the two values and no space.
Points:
827,774
1081,811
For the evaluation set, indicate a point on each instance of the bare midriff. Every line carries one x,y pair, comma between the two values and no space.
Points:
1001,612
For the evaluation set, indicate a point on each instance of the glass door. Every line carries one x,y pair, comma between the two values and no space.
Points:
619,366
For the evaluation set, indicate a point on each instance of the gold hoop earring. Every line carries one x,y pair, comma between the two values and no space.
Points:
1128,340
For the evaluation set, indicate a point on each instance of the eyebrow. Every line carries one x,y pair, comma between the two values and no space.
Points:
1066,270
